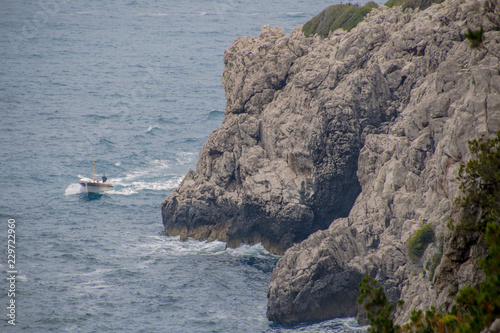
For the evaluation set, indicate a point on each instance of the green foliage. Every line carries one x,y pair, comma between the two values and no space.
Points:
491,11
482,306
394,3
481,184
377,306
418,243
431,322
420,4
475,37
335,17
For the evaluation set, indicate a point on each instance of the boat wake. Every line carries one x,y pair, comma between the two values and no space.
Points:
73,189
154,177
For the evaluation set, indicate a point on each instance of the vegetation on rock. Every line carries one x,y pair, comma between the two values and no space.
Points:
336,17
481,184
418,243
413,4
476,309
377,306
395,3
475,37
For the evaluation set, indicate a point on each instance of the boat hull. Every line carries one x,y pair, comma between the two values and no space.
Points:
94,187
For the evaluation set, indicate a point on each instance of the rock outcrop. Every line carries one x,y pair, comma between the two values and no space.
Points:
283,163
444,95
366,129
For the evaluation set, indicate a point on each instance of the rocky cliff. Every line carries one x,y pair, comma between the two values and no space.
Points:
444,95
366,129
283,163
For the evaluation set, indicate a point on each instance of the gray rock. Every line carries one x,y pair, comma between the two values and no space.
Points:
366,129
407,173
283,163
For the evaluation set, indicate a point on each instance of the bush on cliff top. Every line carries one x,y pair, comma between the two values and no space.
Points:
335,17
420,4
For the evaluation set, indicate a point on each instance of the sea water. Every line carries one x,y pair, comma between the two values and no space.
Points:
135,84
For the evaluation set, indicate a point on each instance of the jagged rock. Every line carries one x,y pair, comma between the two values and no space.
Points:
440,90
283,163
366,129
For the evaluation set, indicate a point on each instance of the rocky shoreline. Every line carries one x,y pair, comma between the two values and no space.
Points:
365,128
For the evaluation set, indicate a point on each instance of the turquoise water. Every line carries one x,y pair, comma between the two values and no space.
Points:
137,85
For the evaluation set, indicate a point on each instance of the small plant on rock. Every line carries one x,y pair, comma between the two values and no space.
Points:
418,243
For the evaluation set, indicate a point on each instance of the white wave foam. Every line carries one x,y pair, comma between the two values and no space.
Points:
96,272
153,176
160,164
295,14
73,189
123,191
128,177
249,250
174,246
91,287
352,325
157,186
154,168
22,278
127,188
84,179
151,128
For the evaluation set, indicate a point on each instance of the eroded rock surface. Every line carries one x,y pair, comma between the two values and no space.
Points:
283,163
366,129
443,94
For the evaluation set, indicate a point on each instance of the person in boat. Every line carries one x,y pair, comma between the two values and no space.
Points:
104,178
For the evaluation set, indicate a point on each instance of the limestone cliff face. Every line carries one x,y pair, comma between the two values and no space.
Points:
366,129
444,95
283,163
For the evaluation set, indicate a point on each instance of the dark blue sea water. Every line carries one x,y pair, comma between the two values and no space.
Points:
137,85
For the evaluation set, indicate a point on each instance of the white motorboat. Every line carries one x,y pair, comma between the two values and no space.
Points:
93,186
96,186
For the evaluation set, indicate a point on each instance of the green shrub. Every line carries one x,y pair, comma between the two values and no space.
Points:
475,37
420,4
377,306
394,3
336,17
418,243
481,184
